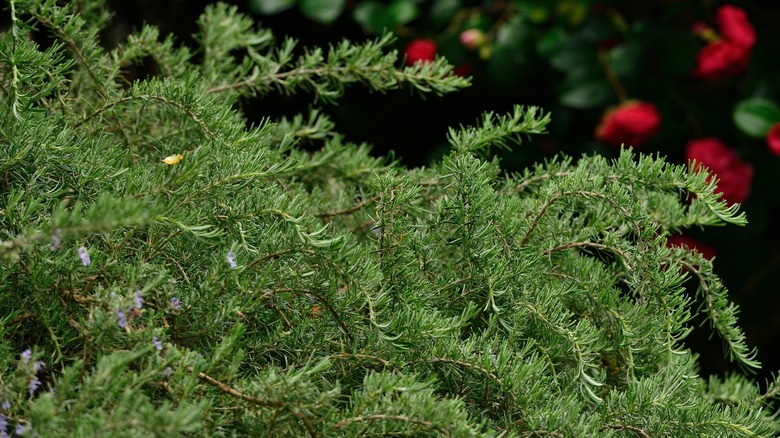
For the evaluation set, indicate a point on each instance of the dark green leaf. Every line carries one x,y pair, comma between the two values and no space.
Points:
588,95
580,75
323,11
551,41
513,35
536,11
597,28
371,15
507,68
755,116
402,12
269,7
442,11
574,53
624,58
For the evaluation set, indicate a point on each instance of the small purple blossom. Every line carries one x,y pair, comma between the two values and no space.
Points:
20,430
122,318
3,426
37,366
56,237
26,355
168,372
175,303
138,302
7,405
231,259
34,384
157,343
84,255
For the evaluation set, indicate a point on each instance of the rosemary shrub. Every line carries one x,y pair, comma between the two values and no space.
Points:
169,271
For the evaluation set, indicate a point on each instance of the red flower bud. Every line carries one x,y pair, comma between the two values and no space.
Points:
735,176
632,123
420,50
720,60
472,39
735,27
681,240
773,139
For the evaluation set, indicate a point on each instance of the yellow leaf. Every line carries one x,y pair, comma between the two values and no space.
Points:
173,159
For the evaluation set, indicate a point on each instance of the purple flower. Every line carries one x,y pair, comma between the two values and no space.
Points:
37,366
138,302
157,343
3,426
20,429
7,405
168,372
84,256
122,318
34,384
26,355
55,240
175,303
231,259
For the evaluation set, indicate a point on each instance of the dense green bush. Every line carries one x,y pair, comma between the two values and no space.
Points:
689,79
167,270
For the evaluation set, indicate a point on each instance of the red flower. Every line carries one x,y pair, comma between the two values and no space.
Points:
734,175
735,27
632,123
683,241
720,60
420,50
773,139
727,57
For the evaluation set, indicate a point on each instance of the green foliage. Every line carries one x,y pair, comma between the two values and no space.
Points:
378,17
323,11
167,270
756,116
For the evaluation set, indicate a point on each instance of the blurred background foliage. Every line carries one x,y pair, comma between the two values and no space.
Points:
577,59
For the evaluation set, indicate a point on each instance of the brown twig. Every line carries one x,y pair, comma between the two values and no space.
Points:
349,210
639,432
586,245
538,217
463,364
363,356
150,97
614,81
375,417
320,299
21,318
84,62
260,402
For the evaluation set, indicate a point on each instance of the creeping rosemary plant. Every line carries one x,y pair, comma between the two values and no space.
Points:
168,270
